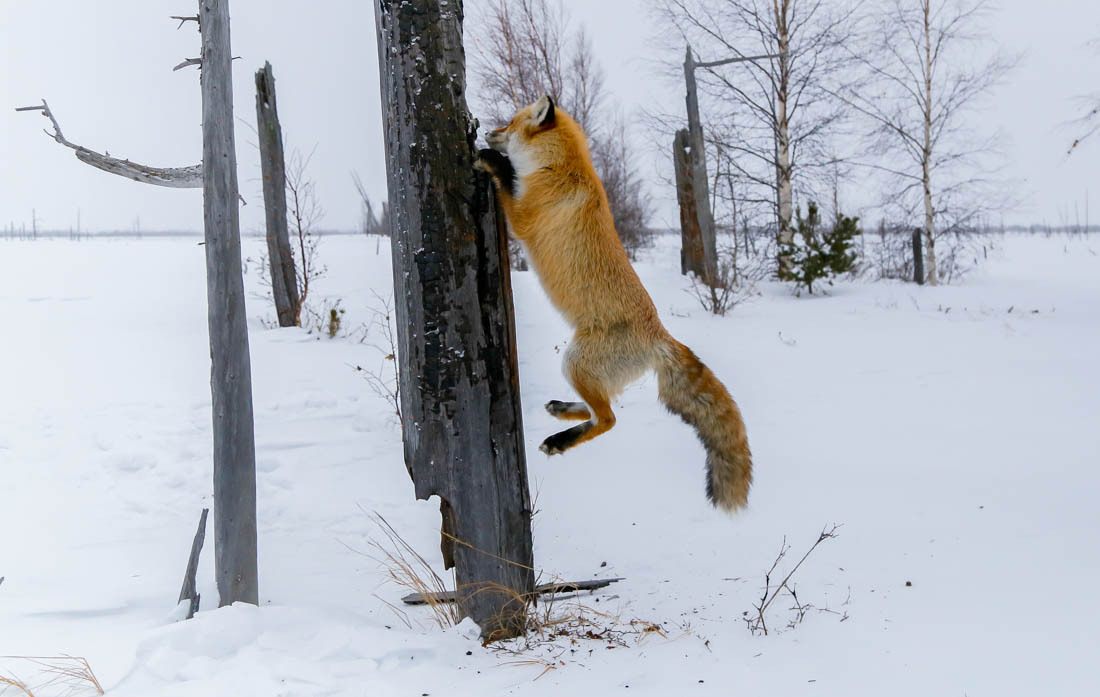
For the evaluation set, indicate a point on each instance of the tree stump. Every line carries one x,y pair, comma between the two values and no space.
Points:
284,281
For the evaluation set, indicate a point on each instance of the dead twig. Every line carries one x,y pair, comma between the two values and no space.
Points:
759,622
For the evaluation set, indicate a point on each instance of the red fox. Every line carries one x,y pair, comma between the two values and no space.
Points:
557,207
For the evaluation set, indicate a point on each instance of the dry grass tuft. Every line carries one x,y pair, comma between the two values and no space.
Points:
409,570
559,629
50,676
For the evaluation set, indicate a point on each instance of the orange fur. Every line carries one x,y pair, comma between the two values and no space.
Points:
559,211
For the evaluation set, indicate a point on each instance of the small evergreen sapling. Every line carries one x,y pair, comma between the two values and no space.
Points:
822,254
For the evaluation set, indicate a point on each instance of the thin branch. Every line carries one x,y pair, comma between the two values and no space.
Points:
740,59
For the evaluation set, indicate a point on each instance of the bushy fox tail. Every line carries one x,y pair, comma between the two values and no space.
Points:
688,389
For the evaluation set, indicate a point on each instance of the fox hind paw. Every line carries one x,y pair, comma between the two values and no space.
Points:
569,411
564,440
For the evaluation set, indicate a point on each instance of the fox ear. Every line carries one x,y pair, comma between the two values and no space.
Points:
543,111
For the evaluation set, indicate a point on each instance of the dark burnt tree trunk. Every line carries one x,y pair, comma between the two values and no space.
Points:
231,373
284,283
692,257
456,334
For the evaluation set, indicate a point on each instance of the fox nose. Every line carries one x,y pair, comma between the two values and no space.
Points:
496,139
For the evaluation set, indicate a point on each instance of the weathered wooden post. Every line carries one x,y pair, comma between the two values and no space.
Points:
699,173
284,283
691,241
697,146
231,374
918,258
459,379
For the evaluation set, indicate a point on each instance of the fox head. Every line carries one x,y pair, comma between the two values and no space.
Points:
525,127
539,138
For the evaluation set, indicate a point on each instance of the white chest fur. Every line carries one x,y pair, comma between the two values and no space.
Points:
523,161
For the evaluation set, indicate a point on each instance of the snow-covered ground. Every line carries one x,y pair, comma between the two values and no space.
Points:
951,431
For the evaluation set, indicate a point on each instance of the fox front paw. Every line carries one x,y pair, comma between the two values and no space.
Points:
497,165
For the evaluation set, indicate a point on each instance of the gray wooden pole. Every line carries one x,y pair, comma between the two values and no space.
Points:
230,375
691,241
918,258
699,172
284,283
459,378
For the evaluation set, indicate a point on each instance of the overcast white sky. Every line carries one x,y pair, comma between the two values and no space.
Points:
105,68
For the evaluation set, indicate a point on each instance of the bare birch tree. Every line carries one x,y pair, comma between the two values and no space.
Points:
1090,122
924,77
771,117
523,50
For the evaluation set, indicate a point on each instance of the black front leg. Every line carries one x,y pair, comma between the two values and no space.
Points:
500,167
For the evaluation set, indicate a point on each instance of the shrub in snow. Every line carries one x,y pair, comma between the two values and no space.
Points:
821,254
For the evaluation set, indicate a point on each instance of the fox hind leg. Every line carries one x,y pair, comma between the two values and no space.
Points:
596,398
568,411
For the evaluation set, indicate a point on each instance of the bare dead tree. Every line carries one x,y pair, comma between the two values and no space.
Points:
234,451
305,213
630,207
773,117
269,133
235,551
1090,121
523,50
925,70
384,381
371,223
